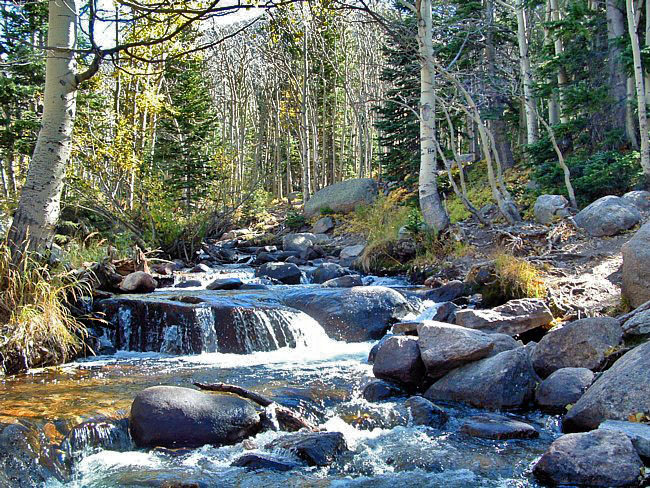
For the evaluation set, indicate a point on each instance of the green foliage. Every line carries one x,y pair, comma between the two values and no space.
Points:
414,221
255,209
295,220
327,211
36,327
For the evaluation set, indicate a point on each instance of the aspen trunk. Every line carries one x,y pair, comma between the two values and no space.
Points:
621,110
39,206
562,79
432,210
527,76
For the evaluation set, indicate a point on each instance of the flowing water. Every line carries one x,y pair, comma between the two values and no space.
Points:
317,376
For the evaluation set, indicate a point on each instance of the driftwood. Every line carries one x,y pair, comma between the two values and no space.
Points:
287,418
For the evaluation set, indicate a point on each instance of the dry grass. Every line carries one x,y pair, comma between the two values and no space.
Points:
36,327
518,278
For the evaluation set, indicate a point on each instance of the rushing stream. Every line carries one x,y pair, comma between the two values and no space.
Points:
319,377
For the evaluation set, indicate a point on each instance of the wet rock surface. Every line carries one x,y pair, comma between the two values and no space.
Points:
315,449
171,416
263,462
497,427
563,387
380,390
287,273
424,412
398,360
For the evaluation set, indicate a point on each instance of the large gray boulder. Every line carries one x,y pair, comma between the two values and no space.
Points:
138,282
444,347
287,273
343,197
357,314
608,216
598,458
619,392
565,386
512,318
549,208
398,360
298,242
641,199
350,254
579,344
501,382
638,433
170,416
636,267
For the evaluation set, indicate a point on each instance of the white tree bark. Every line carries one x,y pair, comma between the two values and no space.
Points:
39,206
532,129
562,79
640,89
433,212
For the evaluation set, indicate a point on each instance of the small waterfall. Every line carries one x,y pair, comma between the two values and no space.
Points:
95,434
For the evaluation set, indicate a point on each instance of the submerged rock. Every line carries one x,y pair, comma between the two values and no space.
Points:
171,416
379,390
597,458
608,216
225,284
580,344
263,462
342,197
398,360
497,427
619,392
287,273
314,448
563,387
505,381
424,412
351,314
512,318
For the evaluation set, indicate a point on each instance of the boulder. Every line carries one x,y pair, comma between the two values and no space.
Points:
440,312
505,381
563,387
447,293
356,314
580,344
379,390
512,318
225,284
550,207
444,347
298,242
638,325
608,216
638,433
619,392
342,197
314,448
635,272
641,199
263,462
398,360
350,254
138,282
497,427
287,273
423,412
234,234
347,281
170,416
323,225
597,458
326,272
373,351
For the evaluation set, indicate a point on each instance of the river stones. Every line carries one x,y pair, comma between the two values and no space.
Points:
356,314
637,325
635,272
350,254
225,284
619,392
326,272
287,273
579,344
323,225
398,360
497,427
638,433
263,462
138,282
314,448
563,387
347,281
597,458
380,390
445,347
501,382
170,416
424,412
608,216
512,318
342,197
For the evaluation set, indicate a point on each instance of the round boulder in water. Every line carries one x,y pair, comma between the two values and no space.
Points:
287,273
170,416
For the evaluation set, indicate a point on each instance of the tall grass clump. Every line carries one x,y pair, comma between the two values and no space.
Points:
36,327
518,278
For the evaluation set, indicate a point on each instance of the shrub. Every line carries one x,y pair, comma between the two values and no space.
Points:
36,327
295,220
327,211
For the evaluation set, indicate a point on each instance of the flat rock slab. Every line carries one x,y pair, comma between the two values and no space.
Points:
314,448
638,433
580,344
619,392
565,386
501,382
597,458
512,318
498,427
170,416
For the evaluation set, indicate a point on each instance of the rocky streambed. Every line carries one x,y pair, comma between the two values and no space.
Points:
401,384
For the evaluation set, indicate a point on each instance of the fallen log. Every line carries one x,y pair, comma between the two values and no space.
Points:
287,418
